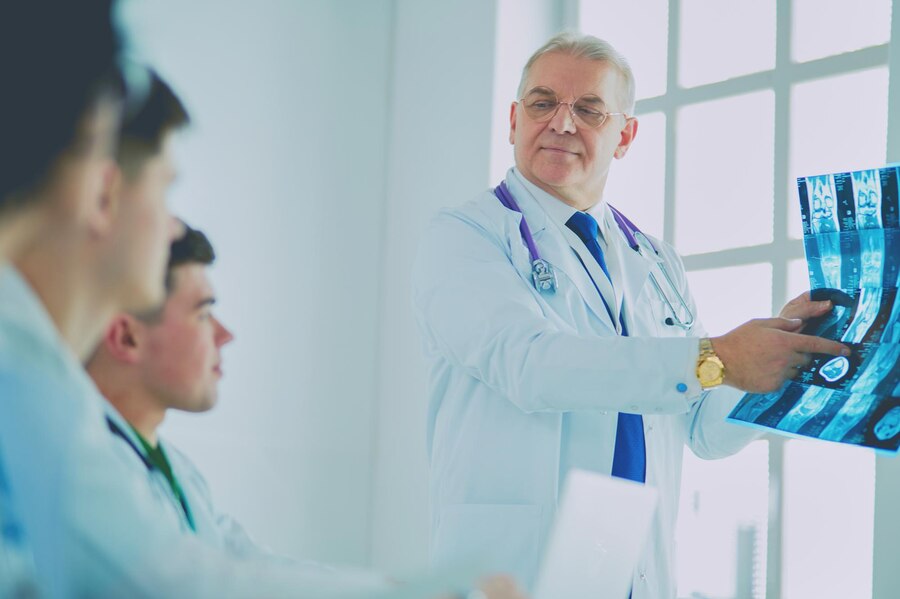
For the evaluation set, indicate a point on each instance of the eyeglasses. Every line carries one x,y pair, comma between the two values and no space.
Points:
542,104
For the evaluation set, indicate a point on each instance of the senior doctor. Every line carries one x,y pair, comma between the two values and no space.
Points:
562,346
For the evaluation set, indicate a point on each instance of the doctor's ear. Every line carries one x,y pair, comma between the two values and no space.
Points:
122,338
512,123
626,137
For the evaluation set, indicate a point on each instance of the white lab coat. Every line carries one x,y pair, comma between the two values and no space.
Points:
95,528
212,526
507,364
17,576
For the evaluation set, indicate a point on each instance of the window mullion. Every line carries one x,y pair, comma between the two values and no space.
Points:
782,88
886,541
671,111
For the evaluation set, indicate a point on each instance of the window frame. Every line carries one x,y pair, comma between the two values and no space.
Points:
783,248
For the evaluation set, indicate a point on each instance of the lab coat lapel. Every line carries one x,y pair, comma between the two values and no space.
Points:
634,268
555,249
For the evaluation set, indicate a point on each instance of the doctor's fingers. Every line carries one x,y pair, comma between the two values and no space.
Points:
804,308
499,587
809,344
801,360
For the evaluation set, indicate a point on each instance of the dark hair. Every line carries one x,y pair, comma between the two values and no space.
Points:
143,131
58,59
191,248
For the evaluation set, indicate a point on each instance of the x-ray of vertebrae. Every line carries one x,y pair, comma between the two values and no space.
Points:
851,234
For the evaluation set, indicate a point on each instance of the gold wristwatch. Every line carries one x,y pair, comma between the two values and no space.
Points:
710,369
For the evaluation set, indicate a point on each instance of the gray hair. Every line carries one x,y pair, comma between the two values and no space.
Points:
585,46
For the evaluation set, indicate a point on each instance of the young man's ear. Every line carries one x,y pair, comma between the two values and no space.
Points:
123,339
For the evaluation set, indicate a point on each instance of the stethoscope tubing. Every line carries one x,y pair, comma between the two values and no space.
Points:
636,241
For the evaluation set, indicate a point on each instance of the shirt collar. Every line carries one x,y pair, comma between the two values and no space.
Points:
557,210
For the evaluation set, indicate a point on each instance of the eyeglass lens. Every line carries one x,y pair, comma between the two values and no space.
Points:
542,105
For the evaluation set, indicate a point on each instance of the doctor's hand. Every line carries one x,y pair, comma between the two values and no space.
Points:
804,308
760,355
499,587
494,587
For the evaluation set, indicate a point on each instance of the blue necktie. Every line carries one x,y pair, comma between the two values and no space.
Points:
629,458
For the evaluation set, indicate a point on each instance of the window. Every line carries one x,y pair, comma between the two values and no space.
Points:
735,101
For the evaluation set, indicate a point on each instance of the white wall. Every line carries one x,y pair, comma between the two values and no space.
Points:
456,67
326,134
285,169
439,144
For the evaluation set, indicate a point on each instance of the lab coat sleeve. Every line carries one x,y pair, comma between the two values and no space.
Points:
236,541
480,315
710,434
240,544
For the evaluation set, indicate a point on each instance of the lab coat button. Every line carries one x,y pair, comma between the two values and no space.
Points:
643,577
681,387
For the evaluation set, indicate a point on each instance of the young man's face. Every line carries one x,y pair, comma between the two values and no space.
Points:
144,231
181,361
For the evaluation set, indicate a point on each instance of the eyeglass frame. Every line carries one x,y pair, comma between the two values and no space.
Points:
571,106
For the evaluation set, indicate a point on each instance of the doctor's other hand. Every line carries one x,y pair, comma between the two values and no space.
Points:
804,308
760,355
500,587
494,587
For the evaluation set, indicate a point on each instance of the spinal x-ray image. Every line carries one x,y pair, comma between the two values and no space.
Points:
824,218
848,417
866,312
877,371
871,251
852,238
867,191
811,403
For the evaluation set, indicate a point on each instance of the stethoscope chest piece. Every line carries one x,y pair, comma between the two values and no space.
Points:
543,276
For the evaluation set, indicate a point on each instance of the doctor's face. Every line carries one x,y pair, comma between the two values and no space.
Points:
181,363
563,155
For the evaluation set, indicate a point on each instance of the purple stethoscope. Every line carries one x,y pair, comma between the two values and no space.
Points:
545,279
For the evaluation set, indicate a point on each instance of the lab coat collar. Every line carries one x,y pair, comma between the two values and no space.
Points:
555,209
560,212
22,310
113,414
553,246
633,268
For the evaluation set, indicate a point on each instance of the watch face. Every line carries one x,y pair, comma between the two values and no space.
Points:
709,371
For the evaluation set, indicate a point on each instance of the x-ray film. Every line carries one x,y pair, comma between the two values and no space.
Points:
851,232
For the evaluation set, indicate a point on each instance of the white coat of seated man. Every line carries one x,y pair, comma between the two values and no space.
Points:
171,359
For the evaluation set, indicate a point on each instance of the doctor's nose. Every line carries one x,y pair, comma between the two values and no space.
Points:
564,120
